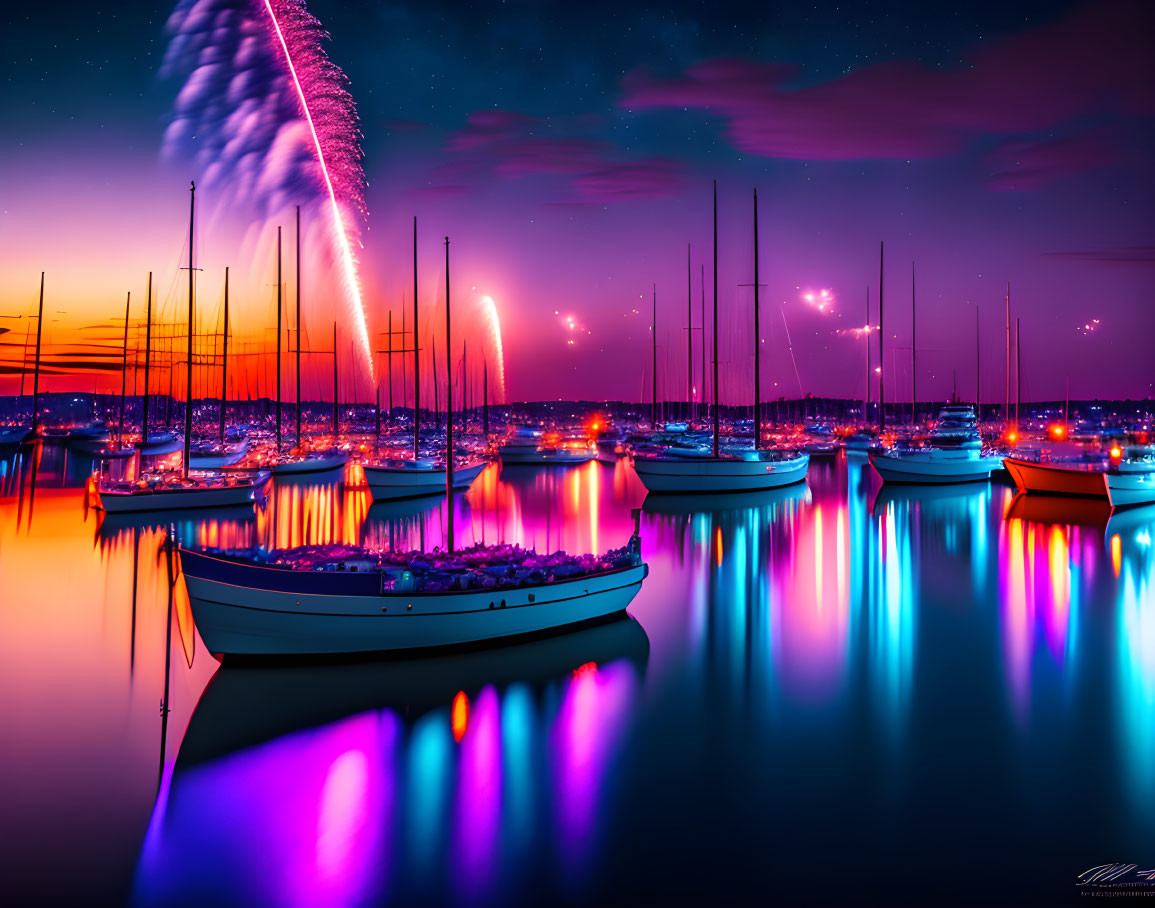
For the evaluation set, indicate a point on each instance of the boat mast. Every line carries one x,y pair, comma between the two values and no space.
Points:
225,358
36,374
913,354
1067,408
405,365
866,400
448,412
171,326
703,357
757,357
299,327
978,370
881,352
353,378
717,412
188,407
416,357
147,357
390,370
279,306
654,373
689,339
24,359
1018,370
436,387
336,423
485,397
464,388
123,372
1007,404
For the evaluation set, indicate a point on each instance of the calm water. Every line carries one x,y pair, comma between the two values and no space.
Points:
831,693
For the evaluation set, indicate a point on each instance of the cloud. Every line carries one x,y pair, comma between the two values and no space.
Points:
1095,61
1128,255
514,145
1027,165
649,179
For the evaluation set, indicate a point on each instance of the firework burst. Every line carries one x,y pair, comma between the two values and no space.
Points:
268,121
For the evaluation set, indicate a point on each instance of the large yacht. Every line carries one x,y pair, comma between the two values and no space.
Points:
952,453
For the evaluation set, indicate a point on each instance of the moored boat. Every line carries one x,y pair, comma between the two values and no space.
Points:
14,435
862,443
733,467
158,444
244,607
531,446
1130,489
1053,479
754,471
953,453
173,493
414,478
214,455
312,462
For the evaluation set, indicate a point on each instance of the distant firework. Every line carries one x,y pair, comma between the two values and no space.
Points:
493,328
268,121
1088,327
822,300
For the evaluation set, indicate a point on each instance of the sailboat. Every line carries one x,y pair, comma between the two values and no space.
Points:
15,435
527,446
1122,484
413,477
222,452
347,600
305,461
189,489
952,453
153,444
740,471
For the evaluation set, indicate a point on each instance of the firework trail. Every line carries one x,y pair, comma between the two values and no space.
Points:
488,311
268,120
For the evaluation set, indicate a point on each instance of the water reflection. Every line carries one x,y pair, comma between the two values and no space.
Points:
835,652
344,783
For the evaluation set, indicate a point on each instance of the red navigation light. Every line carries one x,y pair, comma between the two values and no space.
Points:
459,716
1058,431
1116,453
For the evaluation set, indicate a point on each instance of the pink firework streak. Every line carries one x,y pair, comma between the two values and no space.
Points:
319,86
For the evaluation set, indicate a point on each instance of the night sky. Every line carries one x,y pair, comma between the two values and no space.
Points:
569,149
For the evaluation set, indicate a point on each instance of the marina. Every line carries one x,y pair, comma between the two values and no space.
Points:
829,623
619,454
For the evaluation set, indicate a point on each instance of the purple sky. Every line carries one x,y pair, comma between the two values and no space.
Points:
571,157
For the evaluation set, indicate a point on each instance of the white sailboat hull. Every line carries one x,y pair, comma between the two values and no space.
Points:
935,467
519,455
392,483
238,620
322,464
214,460
695,476
1131,489
178,498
